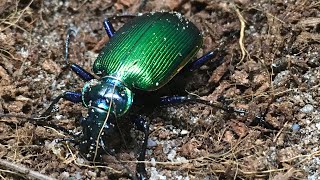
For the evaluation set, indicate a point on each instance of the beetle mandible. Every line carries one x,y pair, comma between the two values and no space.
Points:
143,55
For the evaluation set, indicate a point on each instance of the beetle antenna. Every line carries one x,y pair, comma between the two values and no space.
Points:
71,32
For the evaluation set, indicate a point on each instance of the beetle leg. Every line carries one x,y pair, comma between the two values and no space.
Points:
202,60
172,100
142,125
260,120
211,54
68,95
83,74
70,32
108,27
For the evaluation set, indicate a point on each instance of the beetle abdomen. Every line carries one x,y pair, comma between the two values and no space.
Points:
149,50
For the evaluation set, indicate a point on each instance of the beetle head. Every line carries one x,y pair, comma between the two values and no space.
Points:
107,94
106,99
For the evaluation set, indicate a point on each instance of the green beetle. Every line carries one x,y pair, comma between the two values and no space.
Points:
144,54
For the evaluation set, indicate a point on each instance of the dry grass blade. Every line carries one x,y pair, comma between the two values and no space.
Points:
23,170
14,18
244,52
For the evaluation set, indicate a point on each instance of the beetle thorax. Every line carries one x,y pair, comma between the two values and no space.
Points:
107,92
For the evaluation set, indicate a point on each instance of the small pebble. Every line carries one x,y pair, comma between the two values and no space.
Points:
184,132
92,174
65,175
182,160
295,127
307,108
172,154
151,143
155,174
166,148
80,160
153,162
78,175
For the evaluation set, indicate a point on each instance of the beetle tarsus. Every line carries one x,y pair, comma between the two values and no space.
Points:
70,32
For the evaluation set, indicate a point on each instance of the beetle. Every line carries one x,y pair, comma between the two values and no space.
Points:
142,56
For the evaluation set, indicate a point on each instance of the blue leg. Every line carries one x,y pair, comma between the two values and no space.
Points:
202,60
172,100
142,125
211,54
108,27
74,97
83,74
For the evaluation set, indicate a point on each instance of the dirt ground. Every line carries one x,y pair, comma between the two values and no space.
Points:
271,70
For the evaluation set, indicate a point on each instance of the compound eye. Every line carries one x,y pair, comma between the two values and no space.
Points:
91,91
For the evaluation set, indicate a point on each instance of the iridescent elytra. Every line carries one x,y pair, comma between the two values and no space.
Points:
149,50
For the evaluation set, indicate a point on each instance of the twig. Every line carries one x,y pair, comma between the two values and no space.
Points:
23,170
